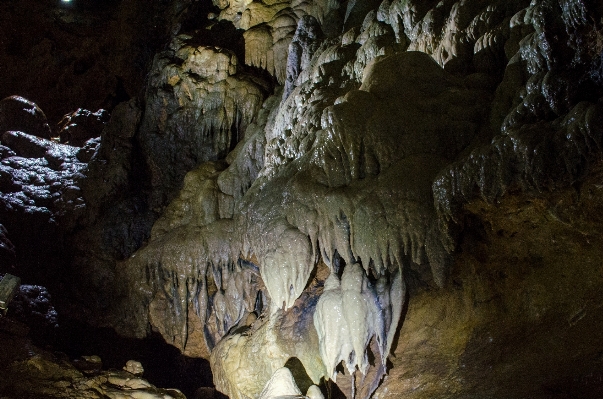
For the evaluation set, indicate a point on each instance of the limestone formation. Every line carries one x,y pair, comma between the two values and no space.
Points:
304,44
414,212
537,116
286,337
268,35
134,367
198,108
280,384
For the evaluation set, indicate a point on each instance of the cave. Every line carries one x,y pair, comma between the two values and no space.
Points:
301,198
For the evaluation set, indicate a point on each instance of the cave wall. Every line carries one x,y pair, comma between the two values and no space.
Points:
346,181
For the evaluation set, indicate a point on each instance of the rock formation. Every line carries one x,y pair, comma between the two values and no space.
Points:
373,199
36,372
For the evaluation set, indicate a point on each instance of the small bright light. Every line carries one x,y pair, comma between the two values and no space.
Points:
66,1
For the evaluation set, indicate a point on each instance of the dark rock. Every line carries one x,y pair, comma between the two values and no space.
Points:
109,171
40,199
81,125
118,219
58,154
89,365
7,250
208,393
6,152
33,307
88,150
28,146
306,40
18,113
357,10
25,145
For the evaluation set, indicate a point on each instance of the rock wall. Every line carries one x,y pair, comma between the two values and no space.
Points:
386,223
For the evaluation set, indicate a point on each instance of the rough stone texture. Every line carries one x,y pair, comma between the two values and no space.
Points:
41,198
291,342
18,113
81,125
118,218
304,44
469,163
270,28
37,373
280,384
522,314
198,107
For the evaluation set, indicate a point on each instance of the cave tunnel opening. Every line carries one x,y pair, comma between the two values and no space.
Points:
164,365
32,315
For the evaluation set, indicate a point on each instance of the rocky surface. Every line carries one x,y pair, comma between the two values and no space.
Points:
38,373
81,125
40,182
199,103
20,114
516,320
415,213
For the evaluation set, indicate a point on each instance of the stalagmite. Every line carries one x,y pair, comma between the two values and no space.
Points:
280,384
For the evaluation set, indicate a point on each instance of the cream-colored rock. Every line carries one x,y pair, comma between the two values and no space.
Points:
198,107
314,392
286,269
348,315
333,330
211,63
134,367
197,203
239,375
238,369
126,381
280,384
187,269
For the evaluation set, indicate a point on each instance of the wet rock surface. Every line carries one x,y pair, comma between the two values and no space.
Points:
18,113
199,103
42,197
81,125
415,213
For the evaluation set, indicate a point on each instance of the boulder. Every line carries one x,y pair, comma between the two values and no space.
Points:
18,113
81,125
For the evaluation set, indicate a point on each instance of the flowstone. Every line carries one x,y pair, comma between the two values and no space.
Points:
362,168
198,105
352,188
280,384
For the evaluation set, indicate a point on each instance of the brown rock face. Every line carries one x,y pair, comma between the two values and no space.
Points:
521,315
